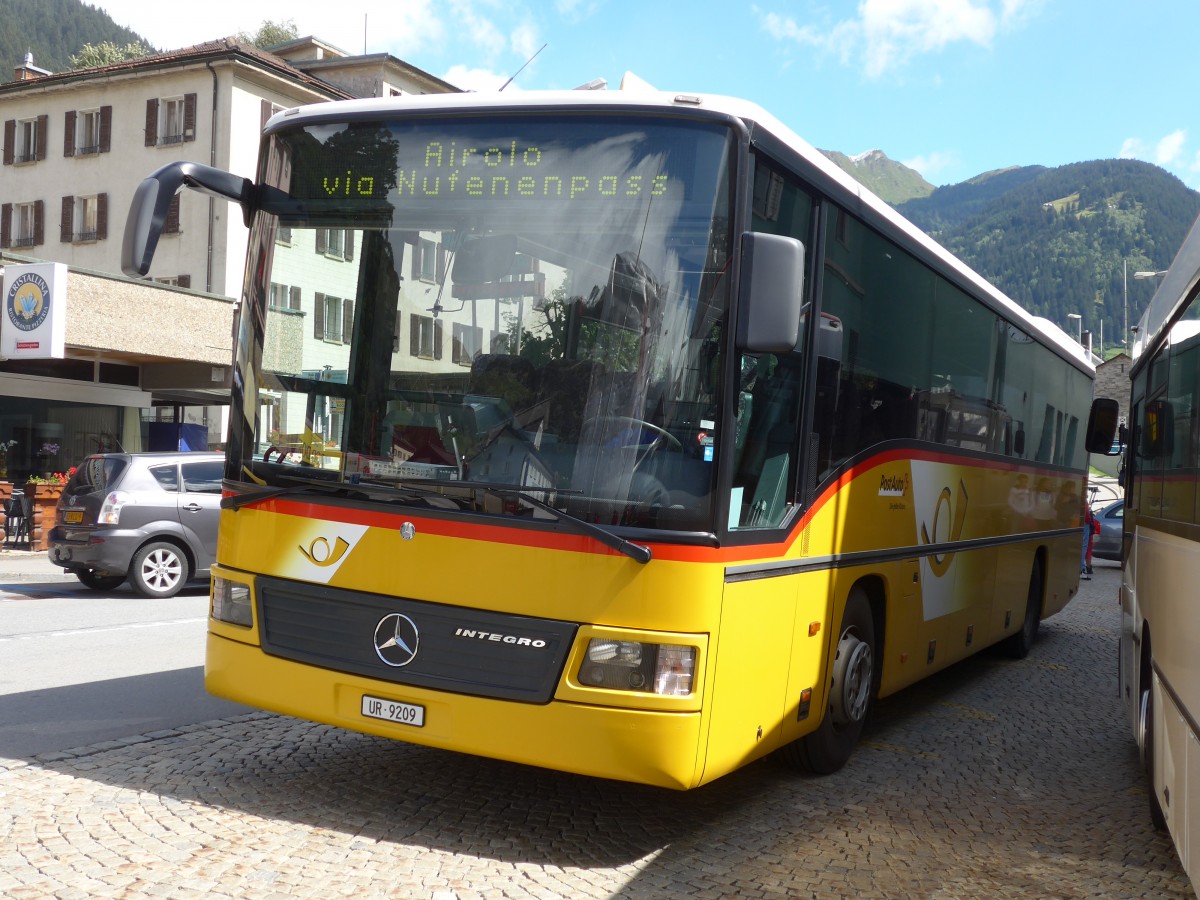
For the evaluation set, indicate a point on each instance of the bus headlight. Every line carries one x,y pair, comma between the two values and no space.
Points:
665,669
231,602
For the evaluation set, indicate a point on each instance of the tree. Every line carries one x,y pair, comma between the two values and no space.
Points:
106,53
270,34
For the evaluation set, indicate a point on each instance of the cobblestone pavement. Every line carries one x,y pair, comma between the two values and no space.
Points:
996,779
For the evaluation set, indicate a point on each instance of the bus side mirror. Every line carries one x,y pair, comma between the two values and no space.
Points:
772,293
1102,426
152,200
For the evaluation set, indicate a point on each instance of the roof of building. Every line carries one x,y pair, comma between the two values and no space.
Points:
222,48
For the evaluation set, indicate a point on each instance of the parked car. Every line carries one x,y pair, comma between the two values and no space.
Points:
1107,544
149,518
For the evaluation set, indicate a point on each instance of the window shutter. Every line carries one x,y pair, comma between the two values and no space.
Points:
322,240
347,320
441,264
10,141
414,331
437,339
189,117
294,298
319,316
152,122
39,222
5,224
396,331
67,224
171,223
264,114
349,245
101,217
69,133
105,129
184,281
43,132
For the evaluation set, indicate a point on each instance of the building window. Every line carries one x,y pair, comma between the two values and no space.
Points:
283,235
87,132
26,224
467,344
336,243
183,281
333,318
25,140
429,261
171,120
84,218
425,337
284,297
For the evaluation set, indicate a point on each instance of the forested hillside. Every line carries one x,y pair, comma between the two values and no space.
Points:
1057,240
54,31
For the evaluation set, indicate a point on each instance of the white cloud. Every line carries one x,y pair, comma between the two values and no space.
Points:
888,34
482,80
1169,150
931,165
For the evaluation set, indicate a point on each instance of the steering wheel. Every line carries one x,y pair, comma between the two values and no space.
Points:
662,437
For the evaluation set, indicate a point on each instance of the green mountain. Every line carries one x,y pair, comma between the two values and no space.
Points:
886,178
1060,241
54,31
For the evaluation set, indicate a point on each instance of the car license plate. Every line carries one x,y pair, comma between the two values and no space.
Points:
393,711
73,516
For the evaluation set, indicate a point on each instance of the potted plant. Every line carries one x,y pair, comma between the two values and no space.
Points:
43,494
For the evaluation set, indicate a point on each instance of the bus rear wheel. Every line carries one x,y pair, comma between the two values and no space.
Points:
1146,727
1018,645
851,687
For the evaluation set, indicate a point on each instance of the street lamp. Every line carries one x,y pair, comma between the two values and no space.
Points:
1078,318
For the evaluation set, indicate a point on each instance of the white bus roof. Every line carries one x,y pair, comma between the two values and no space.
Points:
643,99
1177,288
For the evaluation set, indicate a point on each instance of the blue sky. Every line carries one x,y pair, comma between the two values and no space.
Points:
952,88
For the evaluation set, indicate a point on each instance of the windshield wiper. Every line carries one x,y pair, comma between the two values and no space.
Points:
637,552
407,488
304,485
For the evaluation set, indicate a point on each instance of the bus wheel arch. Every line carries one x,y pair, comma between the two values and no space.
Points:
853,684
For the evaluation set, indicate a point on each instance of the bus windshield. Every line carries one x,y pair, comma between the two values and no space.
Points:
511,315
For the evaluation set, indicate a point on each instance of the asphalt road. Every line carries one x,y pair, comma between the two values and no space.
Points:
78,666
997,778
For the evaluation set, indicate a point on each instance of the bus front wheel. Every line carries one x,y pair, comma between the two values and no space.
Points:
851,686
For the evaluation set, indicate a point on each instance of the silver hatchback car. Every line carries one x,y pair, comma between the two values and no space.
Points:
150,518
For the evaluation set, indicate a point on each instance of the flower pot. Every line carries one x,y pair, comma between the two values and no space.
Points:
43,500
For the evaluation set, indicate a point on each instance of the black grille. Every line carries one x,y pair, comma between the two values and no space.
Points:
335,629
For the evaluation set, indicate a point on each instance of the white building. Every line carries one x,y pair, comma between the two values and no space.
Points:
75,146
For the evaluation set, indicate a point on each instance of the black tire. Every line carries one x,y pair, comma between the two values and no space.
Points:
1018,645
1146,726
98,582
159,569
851,690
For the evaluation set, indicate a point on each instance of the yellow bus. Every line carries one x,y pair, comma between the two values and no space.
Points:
616,433
1160,629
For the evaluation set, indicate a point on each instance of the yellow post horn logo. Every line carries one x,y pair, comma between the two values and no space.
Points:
319,553
940,562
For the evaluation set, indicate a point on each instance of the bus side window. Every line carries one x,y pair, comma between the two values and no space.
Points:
761,484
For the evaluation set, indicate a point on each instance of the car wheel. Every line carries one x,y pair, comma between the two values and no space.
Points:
159,569
98,582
